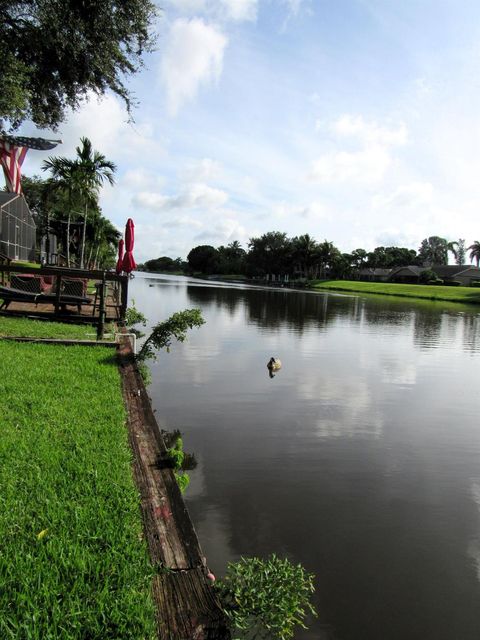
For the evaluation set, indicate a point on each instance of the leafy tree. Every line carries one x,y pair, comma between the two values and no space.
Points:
428,276
203,258
326,255
433,250
358,258
304,252
54,53
475,252
163,264
270,254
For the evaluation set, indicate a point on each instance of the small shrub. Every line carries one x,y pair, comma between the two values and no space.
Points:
174,328
428,276
475,283
267,597
452,283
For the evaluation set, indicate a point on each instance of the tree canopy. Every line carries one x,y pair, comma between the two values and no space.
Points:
54,52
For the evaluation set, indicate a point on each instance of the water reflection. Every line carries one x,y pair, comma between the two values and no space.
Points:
359,460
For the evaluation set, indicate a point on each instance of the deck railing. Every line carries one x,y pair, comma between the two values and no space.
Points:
106,291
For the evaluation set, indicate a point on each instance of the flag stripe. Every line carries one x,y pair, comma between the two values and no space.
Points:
13,150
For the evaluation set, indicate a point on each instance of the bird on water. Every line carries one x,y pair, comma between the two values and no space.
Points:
274,364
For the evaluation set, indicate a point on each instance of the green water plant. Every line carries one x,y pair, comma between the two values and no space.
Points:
266,598
176,456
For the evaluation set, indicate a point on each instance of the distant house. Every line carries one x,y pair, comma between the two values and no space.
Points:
408,275
17,227
465,274
374,275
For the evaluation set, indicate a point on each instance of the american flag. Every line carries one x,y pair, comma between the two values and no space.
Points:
13,150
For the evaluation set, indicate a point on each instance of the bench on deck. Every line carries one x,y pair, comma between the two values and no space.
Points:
10,294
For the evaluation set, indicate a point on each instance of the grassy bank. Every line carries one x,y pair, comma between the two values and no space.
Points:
72,560
465,295
23,327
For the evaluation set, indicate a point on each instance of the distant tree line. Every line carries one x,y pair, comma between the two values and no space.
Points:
305,257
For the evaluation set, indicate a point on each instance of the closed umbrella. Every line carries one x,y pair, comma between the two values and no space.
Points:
118,268
128,263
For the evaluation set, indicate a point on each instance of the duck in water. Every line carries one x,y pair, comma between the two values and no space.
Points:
274,364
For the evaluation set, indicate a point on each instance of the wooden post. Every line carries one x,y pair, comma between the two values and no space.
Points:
124,298
101,315
58,288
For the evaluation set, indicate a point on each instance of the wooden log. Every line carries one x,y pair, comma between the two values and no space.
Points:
187,605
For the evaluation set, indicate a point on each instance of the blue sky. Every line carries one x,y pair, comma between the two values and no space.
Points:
356,121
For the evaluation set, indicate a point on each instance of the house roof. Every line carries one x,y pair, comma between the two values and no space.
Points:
369,271
452,270
412,269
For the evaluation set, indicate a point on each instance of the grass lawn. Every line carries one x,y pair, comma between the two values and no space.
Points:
23,327
73,563
466,295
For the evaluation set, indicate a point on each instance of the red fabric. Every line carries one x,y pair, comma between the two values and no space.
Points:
118,268
128,263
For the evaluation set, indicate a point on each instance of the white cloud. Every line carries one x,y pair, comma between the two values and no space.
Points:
193,56
409,196
196,195
141,178
313,210
364,167
369,132
240,10
183,221
235,10
201,171
367,165
188,6
223,231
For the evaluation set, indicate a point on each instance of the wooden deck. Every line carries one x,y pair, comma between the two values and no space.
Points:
88,314
187,606
101,308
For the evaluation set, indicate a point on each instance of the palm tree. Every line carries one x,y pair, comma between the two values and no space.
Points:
452,247
82,179
92,169
475,252
62,180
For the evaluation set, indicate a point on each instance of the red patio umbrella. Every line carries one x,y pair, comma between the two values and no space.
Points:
128,263
118,268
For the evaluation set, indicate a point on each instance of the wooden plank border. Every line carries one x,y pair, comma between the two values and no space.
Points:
187,605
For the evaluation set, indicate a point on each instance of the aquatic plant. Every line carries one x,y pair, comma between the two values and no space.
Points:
176,455
266,598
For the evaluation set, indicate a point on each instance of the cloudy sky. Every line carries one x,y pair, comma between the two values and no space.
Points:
356,121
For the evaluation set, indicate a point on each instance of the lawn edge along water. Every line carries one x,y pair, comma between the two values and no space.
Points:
73,561
464,295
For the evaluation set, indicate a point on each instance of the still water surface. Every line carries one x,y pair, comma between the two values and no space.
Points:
360,459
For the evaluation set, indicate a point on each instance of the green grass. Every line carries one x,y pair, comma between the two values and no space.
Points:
465,295
23,263
73,564
25,327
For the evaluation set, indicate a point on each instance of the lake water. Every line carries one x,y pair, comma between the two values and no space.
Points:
360,458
